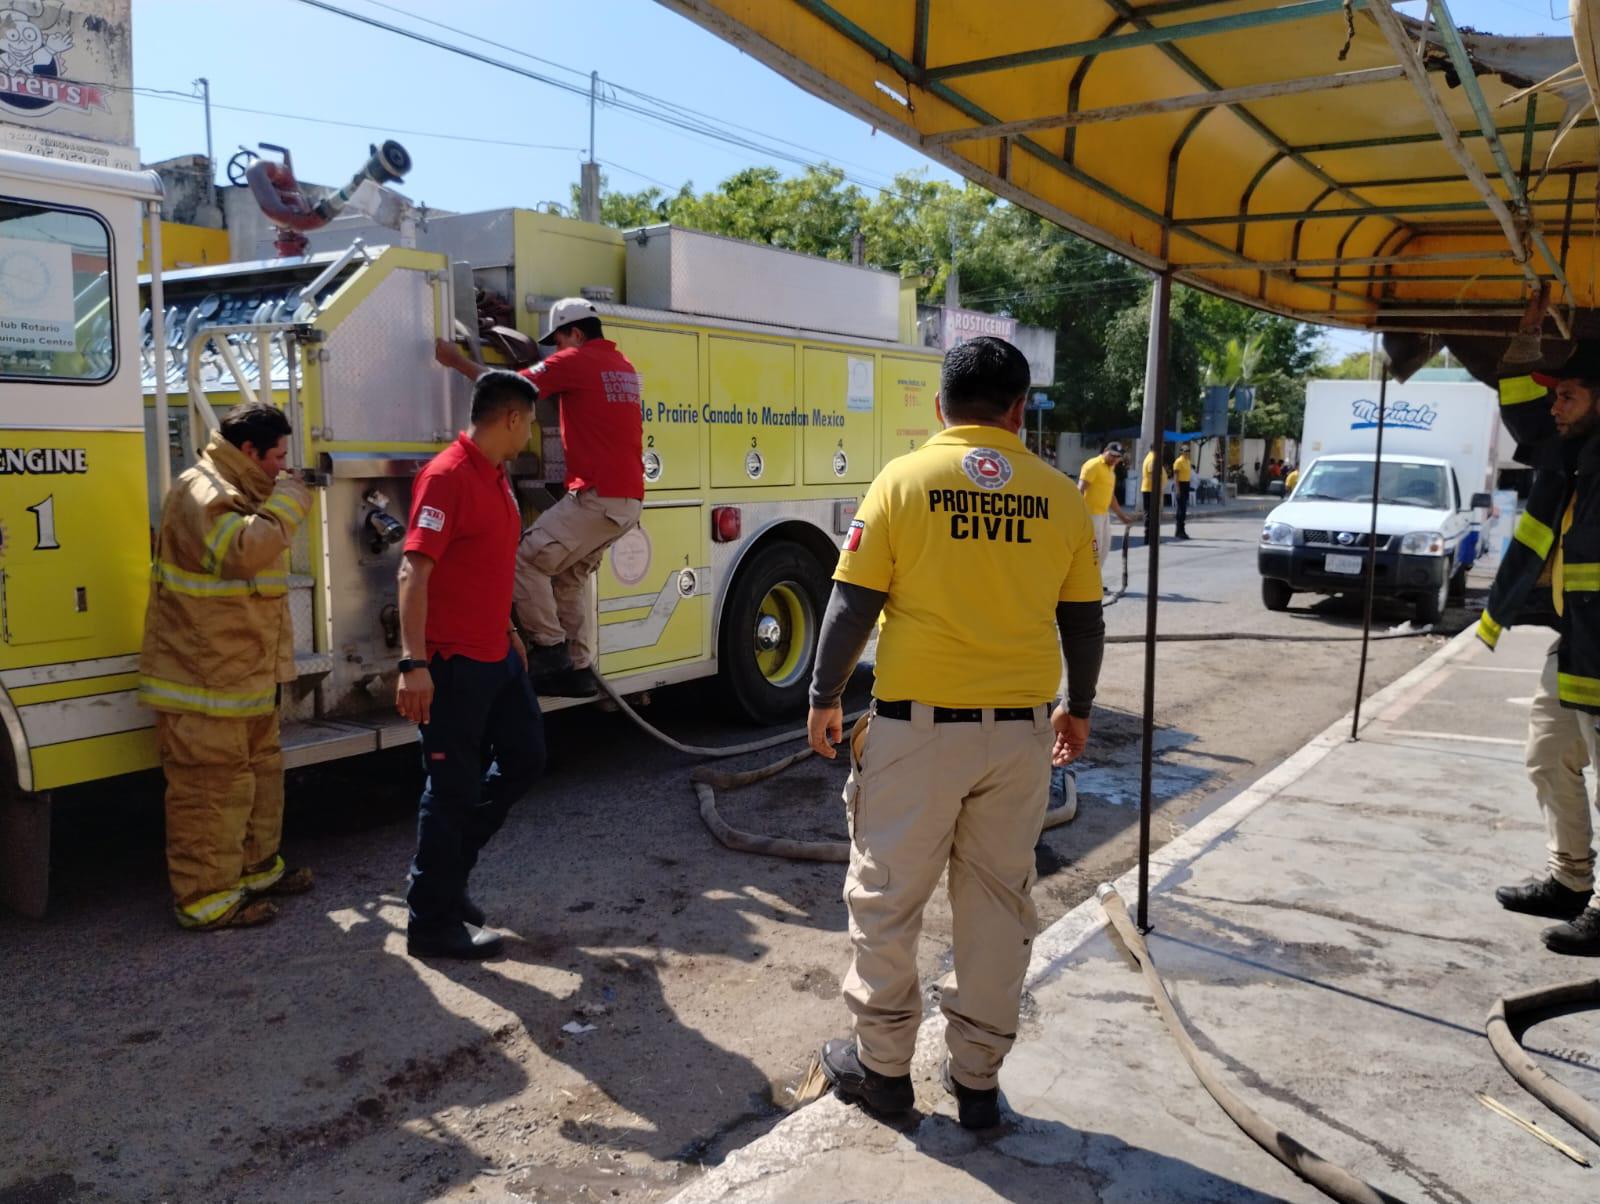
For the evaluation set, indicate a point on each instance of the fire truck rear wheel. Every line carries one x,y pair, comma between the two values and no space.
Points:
770,630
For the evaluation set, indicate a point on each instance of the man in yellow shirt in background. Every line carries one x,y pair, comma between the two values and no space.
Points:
1097,481
978,556
1152,498
1183,471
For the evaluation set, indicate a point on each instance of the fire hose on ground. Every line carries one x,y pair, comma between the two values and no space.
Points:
708,781
1327,1177
1511,1016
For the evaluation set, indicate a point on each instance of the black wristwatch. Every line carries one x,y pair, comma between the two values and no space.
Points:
407,664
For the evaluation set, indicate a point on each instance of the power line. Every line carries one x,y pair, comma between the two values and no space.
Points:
449,47
680,109
682,123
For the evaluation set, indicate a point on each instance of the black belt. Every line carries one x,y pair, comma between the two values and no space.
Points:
902,710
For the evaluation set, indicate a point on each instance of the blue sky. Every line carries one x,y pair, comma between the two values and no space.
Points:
283,57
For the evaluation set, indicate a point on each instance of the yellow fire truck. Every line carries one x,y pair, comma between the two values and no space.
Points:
775,385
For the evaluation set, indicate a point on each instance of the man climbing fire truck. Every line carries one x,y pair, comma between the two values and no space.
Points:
602,434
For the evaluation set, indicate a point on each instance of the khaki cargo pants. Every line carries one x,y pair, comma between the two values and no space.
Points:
1561,741
923,796
1102,548
224,806
555,561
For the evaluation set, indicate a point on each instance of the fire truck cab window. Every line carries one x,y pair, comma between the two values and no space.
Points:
56,322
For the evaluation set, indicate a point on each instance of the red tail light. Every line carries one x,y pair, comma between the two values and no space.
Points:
726,523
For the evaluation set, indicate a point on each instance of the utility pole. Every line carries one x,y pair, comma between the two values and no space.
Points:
204,85
589,180
952,283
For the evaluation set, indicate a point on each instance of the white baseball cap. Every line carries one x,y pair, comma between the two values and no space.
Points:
567,311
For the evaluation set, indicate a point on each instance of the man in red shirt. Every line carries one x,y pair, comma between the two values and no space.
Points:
602,432
463,672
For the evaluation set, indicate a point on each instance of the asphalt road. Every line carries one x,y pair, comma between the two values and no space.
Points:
662,994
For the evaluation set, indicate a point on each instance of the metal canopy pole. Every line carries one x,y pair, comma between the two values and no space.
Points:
1372,553
1156,392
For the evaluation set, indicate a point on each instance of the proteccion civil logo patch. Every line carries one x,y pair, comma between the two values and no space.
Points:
986,468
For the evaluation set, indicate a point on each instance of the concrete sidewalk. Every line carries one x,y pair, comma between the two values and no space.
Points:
1332,935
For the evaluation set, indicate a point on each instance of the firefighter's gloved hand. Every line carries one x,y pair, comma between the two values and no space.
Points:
290,498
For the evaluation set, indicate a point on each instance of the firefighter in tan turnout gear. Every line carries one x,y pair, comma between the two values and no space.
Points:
218,641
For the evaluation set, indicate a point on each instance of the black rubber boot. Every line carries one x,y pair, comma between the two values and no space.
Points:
1579,938
455,943
569,683
548,658
976,1107
888,1094
1544,897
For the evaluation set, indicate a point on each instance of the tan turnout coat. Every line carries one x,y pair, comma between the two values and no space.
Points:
218,638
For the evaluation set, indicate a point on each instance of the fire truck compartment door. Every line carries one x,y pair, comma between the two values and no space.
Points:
74,541
654,591
752,413
906,388
840,396
669,367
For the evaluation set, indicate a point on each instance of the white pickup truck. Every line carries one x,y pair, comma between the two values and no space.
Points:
1439,454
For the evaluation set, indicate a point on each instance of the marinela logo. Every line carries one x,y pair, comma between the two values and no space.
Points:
33,61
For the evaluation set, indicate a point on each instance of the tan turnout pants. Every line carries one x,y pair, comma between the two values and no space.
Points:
1561,741
922,797
224,803
555,560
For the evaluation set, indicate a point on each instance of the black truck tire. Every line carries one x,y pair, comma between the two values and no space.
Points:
770,627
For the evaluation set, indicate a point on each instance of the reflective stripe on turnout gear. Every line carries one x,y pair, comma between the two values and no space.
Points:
1583,691
1581,578
1488,629
262,879
1514,390
225,704
269,583
1531,533
207,910
220,537
286,506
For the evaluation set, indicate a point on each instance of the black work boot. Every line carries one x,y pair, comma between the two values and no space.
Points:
1578,938
548,658
1544,897
568,683
842,1067
456,942
977,1108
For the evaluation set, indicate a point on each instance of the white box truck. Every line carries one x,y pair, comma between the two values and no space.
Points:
1440,452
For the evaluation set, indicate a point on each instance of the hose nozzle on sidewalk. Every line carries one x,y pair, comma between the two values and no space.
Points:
1329,1178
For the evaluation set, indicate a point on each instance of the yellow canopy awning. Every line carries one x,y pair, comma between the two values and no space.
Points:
1297,155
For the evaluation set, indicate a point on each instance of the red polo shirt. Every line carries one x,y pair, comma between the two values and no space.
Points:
602,424
464,518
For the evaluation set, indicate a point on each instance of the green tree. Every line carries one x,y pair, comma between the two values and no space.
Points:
1009,261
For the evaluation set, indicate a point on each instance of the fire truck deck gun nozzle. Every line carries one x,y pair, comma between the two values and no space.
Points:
286,206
